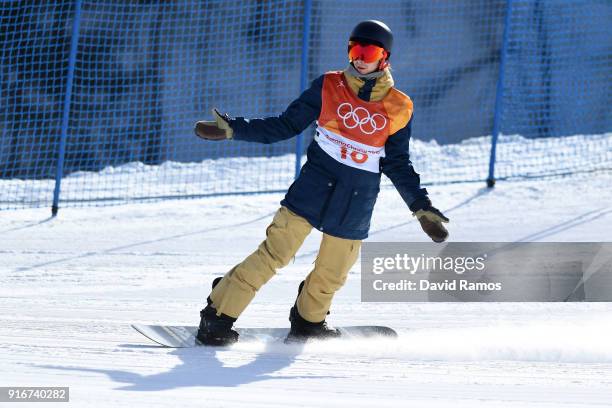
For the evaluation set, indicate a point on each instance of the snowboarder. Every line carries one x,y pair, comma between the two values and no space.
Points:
363,130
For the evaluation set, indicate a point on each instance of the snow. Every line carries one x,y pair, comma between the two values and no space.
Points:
517,157
71,286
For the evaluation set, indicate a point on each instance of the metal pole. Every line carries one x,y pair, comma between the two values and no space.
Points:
499,97
67,98
303,80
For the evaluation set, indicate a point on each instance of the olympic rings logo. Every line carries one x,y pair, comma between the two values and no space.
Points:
360,116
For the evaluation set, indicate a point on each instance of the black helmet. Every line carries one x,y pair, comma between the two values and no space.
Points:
373,32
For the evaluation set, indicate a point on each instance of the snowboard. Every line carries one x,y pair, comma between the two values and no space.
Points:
185,336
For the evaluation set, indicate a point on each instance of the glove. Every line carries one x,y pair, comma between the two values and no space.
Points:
218,129
431,219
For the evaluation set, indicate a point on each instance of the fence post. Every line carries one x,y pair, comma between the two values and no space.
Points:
303,79
74,41
499,96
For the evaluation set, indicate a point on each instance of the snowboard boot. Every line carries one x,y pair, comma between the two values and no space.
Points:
215,330
303,330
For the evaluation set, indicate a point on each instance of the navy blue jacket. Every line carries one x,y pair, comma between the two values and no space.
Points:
334,198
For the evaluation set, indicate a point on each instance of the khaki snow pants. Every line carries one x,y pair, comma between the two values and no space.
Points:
284,236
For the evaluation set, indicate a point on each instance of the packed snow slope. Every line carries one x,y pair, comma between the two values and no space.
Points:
71,286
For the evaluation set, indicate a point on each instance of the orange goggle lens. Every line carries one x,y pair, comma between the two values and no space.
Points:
367,53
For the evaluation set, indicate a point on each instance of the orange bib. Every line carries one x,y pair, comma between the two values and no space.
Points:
353,131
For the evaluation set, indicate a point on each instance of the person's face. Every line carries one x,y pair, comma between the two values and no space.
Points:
365,67
366,58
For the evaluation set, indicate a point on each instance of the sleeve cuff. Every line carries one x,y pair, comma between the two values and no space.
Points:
420,204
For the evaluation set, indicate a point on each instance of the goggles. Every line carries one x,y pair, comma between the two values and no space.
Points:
365,52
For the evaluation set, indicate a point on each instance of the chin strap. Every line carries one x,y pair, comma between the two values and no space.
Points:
383,62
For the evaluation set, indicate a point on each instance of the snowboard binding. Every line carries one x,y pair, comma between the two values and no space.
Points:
302,330
215,330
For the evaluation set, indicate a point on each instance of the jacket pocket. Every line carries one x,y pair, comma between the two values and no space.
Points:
360,207
311,192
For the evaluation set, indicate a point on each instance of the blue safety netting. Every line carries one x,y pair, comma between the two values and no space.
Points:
122,83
